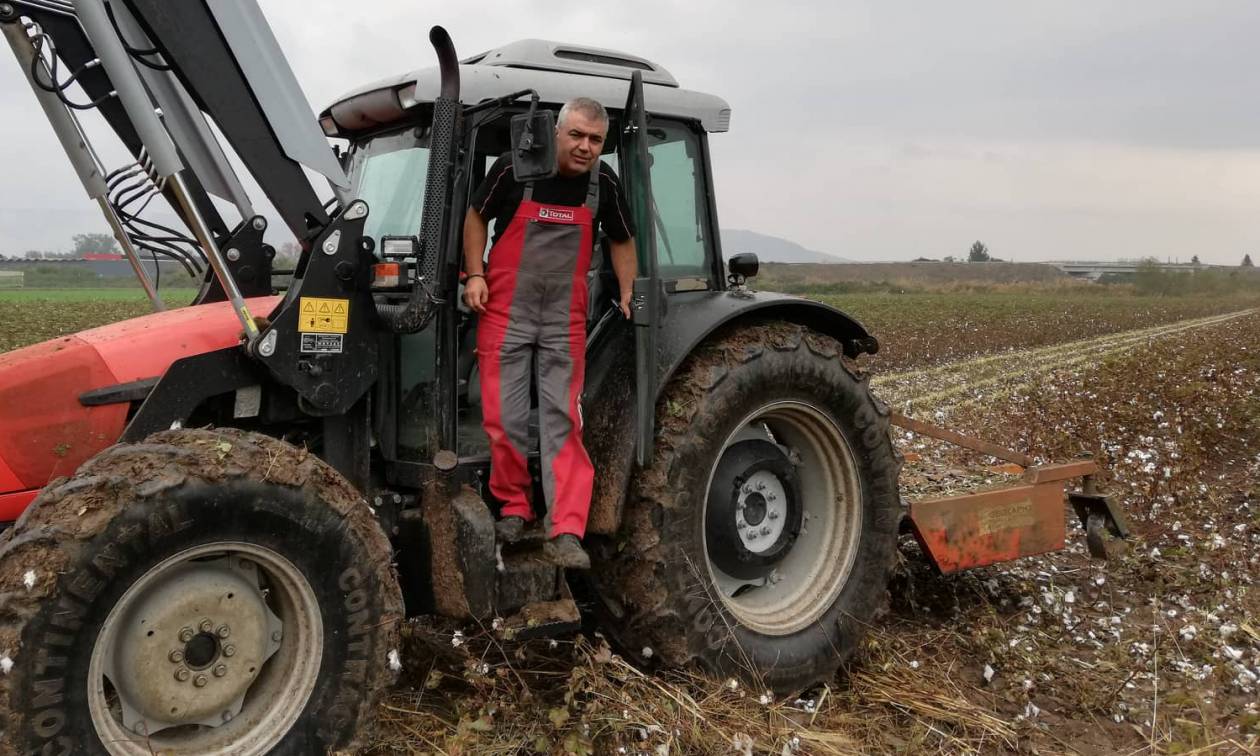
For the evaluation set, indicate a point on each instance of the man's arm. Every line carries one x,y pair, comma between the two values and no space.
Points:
476,293
625,264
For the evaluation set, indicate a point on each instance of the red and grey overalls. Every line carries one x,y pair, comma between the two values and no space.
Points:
536,316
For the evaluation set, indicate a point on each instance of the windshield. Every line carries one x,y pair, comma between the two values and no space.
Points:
389,174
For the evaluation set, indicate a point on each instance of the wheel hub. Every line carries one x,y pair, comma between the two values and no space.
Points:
753,515
190,645
761,512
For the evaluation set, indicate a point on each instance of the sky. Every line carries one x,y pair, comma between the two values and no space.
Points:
880,130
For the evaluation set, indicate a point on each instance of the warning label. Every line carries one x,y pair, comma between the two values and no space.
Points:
316,315
321,343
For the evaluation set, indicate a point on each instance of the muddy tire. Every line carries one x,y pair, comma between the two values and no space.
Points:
760,540
200,592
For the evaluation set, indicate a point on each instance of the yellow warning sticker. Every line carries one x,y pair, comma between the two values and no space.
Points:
316,315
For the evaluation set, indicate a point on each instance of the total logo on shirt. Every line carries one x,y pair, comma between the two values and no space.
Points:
555,214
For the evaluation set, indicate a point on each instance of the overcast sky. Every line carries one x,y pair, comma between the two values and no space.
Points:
870,130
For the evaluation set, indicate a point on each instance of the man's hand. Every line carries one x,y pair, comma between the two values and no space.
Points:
476,293
625,303
626,265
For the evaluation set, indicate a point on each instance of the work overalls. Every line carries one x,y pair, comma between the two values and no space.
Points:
536,312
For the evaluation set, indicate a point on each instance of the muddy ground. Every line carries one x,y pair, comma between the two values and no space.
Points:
1156,651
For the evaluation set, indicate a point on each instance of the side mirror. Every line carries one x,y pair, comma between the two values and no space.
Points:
744,265
534,145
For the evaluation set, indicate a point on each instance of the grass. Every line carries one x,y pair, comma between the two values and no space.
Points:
172,297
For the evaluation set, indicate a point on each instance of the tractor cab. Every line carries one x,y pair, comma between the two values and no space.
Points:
663,163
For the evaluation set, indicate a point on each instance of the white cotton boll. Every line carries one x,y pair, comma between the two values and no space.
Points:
647,652
1231,653
988,673
1069,597
28,579
766,698
457,639
1189,632
914,664
496,623
6,664
395,663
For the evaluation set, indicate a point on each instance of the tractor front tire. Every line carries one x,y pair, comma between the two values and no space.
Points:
205,591
759,541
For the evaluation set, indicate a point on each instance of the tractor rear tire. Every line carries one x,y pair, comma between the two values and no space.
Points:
816,502
205,591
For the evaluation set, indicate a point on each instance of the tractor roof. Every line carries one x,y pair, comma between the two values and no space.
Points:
558,71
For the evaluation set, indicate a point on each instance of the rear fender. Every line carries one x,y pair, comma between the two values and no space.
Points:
690,319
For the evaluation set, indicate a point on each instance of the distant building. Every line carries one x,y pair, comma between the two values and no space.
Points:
1122,269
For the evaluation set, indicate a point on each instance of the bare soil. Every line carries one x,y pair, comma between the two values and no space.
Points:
1157,651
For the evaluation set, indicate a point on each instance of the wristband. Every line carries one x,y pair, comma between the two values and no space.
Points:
467,276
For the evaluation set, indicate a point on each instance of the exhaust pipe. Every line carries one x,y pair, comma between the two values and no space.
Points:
415,313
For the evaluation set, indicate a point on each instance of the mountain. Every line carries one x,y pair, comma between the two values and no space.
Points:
772,248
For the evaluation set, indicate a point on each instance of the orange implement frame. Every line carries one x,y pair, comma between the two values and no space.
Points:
998,525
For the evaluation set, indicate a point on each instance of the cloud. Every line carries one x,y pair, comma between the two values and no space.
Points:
870,130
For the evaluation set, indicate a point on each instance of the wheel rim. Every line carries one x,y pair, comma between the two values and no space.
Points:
809,575
215,650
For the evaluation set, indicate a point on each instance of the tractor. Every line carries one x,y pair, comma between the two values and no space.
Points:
222,514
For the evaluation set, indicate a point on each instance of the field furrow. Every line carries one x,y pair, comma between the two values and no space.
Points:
964,382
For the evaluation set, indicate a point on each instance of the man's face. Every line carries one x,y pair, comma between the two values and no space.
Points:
579,141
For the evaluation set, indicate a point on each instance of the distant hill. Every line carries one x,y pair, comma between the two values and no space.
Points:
772,248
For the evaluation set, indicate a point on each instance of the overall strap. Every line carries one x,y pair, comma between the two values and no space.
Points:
529,192
592,190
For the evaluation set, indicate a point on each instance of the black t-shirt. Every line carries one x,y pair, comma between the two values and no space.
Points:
500,194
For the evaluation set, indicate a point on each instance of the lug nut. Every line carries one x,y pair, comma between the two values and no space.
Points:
771,497
761,486
752,536
229,650
223,631
741,525
140,728
200,681
220,670
227,716
747,489
773,515
181,674
276,636
176,656
186,634
206,626
765,530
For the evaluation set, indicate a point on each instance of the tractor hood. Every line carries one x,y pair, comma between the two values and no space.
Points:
45,432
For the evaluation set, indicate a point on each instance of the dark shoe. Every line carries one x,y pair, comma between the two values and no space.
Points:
509,529
565,550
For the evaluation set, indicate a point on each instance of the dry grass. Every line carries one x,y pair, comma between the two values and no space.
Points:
1082,657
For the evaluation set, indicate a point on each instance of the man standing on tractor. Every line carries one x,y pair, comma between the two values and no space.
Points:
532,301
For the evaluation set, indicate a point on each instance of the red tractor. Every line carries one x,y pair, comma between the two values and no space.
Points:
224,512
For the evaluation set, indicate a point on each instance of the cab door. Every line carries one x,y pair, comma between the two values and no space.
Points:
649,299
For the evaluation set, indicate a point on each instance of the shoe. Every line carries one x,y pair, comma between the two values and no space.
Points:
565,550
509,529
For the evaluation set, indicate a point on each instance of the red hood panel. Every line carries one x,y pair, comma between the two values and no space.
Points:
145,347
46,433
